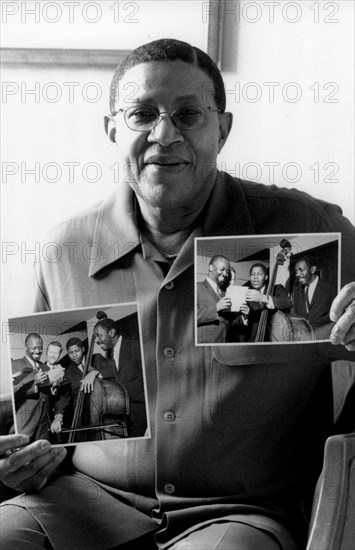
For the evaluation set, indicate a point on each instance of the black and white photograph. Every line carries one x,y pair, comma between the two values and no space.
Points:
133,132
266,289
78,375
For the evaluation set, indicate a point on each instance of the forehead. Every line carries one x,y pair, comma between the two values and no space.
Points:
100,330
221,264
34,342
53,347
301,265
165,82
74,348
258,270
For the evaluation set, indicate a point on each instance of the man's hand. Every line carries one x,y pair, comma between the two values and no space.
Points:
56,375
342,313
245,309
40,377
26,467
224,304
87,384
56,426
255,296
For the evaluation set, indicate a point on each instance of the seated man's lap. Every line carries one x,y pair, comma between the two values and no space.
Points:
231,536
75,512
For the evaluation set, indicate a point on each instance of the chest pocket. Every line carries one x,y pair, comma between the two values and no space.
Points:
244,396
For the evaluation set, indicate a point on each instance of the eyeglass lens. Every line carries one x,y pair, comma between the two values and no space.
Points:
145,118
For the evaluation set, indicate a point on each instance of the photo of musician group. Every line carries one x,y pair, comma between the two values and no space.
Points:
78,375
268,288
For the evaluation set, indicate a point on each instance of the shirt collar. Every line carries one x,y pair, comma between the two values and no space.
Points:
313,284
213,284
116,234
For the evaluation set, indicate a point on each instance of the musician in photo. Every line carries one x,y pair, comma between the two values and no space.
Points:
312,296
55,372
121,362
259,299
28,377
215,321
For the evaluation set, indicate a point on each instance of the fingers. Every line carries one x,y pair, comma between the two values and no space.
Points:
12,442
29,468
344,329
345,297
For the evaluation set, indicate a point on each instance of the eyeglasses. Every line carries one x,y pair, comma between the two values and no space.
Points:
144,118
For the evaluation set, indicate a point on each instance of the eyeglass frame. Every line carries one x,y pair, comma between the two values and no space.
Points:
206,108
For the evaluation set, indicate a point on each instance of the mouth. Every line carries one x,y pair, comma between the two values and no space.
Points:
166,162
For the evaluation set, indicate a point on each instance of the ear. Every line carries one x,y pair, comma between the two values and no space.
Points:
210,268
112,332
225,125
110,128
313,269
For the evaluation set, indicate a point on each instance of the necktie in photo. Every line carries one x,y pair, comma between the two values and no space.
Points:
306,298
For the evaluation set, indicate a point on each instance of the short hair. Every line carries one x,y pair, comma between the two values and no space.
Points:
55,343
170,49
33,335
308,259
262,266
74,342
108,324
217,257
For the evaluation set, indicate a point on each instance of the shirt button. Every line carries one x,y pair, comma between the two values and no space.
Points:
169,352
169,488
170,285
169,416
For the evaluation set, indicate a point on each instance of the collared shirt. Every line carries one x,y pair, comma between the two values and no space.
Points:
312,288
34,364
116,352
222,404
213,285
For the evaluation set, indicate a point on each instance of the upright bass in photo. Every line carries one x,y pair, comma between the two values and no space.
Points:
281,326
101,414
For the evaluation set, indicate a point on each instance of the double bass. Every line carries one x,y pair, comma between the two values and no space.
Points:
104,411
280,326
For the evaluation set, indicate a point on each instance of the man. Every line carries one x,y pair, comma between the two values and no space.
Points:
215,321
53,369
31,404
74,372
237,434
258,299
122,362
312,296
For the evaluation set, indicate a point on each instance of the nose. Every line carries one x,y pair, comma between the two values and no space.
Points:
164,132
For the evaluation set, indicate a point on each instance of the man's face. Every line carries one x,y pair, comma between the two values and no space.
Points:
220,273
104,338
34,348
76,354
165,166
257,278
304,272
53,354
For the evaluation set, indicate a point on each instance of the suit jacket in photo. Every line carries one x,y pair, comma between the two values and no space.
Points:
213,327
130,375
322,299
282,302
31,399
